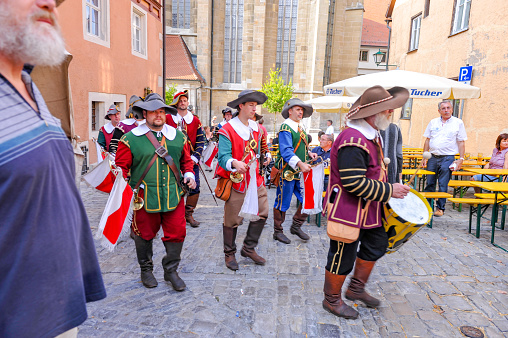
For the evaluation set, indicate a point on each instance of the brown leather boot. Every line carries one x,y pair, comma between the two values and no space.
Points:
229,235
356,289
333,302
298,220
190,205
251,241
278,219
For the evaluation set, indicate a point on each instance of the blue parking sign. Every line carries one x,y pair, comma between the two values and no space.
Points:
465,75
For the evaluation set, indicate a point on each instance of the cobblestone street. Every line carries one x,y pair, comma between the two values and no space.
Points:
442,279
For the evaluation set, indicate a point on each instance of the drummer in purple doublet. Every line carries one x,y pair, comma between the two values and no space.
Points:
357,189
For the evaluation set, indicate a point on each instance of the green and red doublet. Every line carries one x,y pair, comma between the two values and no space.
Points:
135,151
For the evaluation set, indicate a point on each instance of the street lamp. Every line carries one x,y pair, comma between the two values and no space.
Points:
378,58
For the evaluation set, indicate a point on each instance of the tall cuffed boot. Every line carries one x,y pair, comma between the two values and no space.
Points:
170,264
229,235
278,219
333,302
144,252
298,220
356,289
251,241
190,205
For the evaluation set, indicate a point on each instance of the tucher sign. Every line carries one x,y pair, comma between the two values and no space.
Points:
333,91
424,93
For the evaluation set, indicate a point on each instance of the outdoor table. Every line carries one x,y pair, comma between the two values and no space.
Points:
413,159
471,163
461,173
500,190
490,172
421,172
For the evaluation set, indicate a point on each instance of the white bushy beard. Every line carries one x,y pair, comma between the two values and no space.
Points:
29,41
381,121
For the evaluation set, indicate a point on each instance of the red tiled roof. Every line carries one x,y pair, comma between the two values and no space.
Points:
179,65
374,33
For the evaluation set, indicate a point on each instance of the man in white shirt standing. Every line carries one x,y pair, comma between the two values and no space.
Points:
445,137
329,129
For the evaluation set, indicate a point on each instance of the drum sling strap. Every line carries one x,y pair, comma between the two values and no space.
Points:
163,153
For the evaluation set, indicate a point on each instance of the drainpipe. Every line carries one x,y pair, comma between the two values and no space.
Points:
211,68
389,38
164,50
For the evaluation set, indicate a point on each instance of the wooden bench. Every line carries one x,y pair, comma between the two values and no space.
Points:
480,206
431,196
460,187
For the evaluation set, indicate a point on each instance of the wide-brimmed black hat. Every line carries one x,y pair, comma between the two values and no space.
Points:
113,109
130,114
226,110
248,95
152,102
307,108
177,96
377,99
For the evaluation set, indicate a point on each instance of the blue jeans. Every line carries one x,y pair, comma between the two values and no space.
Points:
440,166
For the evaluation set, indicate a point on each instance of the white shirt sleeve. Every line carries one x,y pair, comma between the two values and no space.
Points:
294,161
228,165
461,136
189,174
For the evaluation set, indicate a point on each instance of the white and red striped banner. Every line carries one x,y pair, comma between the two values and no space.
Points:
117,216
312,185
101,154
209,153
101,178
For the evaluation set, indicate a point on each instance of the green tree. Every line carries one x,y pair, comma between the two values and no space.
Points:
170,92
277,92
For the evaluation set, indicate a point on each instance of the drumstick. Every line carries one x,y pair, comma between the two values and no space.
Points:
426,155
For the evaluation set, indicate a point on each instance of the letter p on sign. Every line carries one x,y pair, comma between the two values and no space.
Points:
466,74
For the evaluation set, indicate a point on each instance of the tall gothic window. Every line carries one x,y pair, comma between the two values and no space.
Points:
286,38
181,13
233,28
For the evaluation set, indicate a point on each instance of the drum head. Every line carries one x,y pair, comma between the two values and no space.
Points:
413,208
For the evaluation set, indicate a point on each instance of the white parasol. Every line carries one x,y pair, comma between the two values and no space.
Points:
420,85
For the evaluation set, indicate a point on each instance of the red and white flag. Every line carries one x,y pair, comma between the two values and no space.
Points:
209,153
312,185
101,154
117,216
101,178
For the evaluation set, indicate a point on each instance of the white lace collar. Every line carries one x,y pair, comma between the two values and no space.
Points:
187,118
293,125
109,127
167,131
128,122
241,129
363,127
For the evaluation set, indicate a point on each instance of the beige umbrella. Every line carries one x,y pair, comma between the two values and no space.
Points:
420,85
331,103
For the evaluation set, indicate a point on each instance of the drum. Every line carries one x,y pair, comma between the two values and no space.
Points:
404,217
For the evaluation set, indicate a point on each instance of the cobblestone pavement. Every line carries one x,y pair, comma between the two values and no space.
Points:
442,279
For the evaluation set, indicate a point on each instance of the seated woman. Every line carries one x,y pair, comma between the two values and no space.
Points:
499,159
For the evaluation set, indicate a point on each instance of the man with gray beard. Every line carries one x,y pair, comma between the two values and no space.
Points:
49,267
356,191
